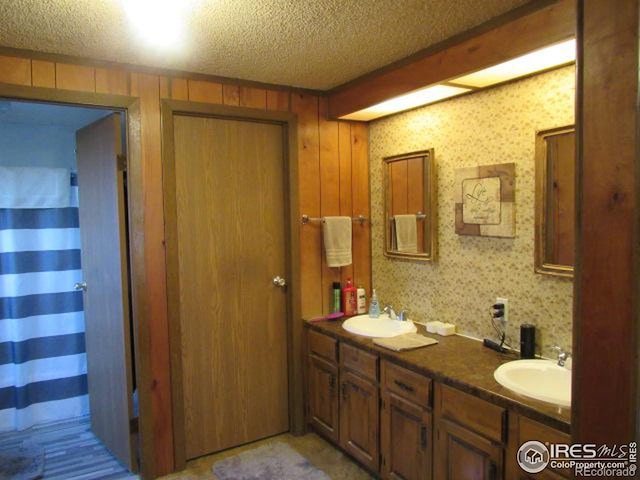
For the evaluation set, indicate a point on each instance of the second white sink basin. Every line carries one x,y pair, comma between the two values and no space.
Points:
378,327
540,379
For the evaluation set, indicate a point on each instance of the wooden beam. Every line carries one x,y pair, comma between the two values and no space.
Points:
504,38
607,278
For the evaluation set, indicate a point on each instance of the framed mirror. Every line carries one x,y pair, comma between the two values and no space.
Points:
555,201
410,211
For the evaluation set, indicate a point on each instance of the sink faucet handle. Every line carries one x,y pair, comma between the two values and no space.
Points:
563,355
388,309
402,316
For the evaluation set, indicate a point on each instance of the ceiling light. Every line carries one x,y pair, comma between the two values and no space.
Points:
158,22
543,59
417,98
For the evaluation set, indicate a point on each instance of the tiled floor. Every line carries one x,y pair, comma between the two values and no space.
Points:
319,452
72,451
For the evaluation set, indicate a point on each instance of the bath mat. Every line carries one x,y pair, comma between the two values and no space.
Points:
25,462
274,461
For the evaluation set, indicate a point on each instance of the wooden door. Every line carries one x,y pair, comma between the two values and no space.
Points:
461,454
359,417
323,397
230,237
102,210
406,437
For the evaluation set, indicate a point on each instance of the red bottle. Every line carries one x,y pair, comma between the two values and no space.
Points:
349,299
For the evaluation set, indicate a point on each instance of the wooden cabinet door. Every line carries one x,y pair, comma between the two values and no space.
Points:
323,397
406,438
461,454
359,417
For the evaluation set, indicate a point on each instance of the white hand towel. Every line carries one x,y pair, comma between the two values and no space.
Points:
34,187
406,233
337,240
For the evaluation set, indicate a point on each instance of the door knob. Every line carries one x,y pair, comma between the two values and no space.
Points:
278,281
81,286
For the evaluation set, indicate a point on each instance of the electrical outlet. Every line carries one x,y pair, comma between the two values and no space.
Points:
505,302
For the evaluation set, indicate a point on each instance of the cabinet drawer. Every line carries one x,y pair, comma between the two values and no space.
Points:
359,361
472,412
406,384
323,346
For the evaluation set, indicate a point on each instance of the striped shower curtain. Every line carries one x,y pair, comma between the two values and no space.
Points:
42,349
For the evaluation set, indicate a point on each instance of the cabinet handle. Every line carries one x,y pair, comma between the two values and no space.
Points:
423,436
332,384
404,386
493,471
344,392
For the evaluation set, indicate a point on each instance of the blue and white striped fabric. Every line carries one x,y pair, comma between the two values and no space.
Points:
43,366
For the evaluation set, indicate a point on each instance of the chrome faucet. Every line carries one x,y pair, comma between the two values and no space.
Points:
402,316
562,355
388,309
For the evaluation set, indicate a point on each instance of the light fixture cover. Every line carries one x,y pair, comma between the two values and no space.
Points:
537,61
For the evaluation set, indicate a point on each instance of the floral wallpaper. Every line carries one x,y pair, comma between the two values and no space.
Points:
497,125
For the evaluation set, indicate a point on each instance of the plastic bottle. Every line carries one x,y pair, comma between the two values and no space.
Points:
336,297
374,306
362,300
349,300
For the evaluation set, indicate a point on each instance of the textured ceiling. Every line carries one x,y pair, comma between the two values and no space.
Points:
305,43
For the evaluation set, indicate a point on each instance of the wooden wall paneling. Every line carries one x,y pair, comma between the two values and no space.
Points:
360,199
329,193
179,88
606,281
207,92
278,100
399,187
231,94
15,70
306,107
75,77
415,194
164,88
161,459
482,47
115,82
346,204
253,97
43,74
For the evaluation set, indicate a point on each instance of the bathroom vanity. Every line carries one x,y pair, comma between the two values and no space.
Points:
431,413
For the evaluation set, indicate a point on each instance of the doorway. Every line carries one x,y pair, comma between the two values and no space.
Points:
64,278
231,285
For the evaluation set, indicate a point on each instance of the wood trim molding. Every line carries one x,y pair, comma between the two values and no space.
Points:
501,39
294,325
607,274
140,319
168,72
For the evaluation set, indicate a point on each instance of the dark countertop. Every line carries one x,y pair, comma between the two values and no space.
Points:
462,363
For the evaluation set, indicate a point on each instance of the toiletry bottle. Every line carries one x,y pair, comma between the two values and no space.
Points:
349,301
336,297
374,306
362,301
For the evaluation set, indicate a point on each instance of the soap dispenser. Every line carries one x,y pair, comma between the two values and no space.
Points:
374,306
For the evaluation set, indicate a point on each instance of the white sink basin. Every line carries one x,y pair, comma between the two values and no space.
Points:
378,327
540,379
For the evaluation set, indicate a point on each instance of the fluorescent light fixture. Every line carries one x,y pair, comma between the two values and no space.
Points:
543,59
417,98
159,22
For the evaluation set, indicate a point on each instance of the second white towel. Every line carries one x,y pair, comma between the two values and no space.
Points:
406,233
336,233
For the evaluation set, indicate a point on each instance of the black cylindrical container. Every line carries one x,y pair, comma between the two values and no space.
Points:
527,341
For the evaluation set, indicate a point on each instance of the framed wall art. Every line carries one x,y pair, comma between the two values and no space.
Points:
485,200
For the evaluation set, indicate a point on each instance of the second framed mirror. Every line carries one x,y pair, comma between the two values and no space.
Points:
410,213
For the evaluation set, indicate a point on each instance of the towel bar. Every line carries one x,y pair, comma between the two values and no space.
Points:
419,216
307,219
